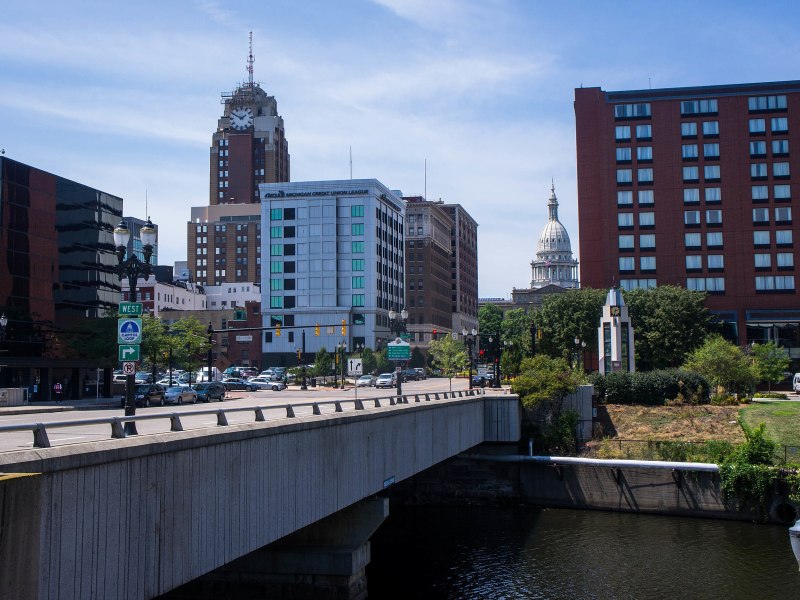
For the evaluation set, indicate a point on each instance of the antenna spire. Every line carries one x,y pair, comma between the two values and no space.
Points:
250,60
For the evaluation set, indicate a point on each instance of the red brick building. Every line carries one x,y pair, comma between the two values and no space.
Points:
695,187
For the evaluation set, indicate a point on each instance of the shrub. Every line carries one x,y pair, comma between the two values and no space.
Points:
747,473
724,399
651,387
778,395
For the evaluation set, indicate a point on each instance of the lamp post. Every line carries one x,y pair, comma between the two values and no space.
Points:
341,348
210,332
397,321
303,386
133,268
469,341
3,323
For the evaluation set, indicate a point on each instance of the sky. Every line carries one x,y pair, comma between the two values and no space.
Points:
467,101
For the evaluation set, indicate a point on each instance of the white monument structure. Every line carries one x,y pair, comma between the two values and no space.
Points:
615,335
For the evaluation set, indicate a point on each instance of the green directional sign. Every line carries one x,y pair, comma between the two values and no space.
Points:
130,309
129,352
398,350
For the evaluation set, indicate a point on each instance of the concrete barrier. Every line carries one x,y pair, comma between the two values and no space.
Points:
13,396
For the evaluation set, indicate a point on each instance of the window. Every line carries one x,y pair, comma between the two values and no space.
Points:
645,176
758,148
782,192
714,239
358,299
713,194
647,219
766,103
691,195
711,172
759,193
276,232
276,250
276,214
780,169
647,263
776,283
276,301
624,154
698,107
758,170
689,151
716,262
357,210
625,219
780,125
357,229
711,128
761,238
783,237
691,240
710,150
783,214
691,217
625,198
276,284
624,175
646,197
644,153
689,129
780,147
622,132
357,264
714,217
625,242
784,260
705,284
276,266
632,111
357,247
691,174
358,283
626,263
758,126
647,241
762,261
644,132
694,262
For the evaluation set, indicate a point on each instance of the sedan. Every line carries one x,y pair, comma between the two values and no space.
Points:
266,383
146,394
179,394
237,383
366,381
209,390
385,380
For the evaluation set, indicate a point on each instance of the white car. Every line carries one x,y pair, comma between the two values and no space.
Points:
264,382
180,395
365,381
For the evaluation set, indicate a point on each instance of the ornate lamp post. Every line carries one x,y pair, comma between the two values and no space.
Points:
133,268
397,322
469,342
210,332
580,349
3,323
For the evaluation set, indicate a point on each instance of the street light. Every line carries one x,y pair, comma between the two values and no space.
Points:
133,268
469,341
580,348
210,332
3,323
341,349
397,322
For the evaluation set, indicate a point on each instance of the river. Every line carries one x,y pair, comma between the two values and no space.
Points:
530,553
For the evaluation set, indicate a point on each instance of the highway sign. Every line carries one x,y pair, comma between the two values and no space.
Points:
130,309
129,331
129,368
398,350
128,352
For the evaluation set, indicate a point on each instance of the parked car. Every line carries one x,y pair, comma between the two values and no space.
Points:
385,380
421,373
237,383
247,373
479,381
209,390
366,381
796,382
267,383
410,375
143,377
146,394
180,394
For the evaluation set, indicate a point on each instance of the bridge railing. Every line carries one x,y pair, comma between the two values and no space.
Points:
117,423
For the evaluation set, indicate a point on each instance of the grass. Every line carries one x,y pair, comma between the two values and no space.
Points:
781,418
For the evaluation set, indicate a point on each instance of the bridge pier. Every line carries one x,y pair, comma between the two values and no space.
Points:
323,561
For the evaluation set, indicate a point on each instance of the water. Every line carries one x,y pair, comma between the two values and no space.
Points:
527,553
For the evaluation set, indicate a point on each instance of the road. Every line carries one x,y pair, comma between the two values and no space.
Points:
273,405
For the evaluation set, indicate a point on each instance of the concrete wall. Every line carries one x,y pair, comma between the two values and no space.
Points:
134,518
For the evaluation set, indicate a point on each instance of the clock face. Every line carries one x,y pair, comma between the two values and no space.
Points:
241,118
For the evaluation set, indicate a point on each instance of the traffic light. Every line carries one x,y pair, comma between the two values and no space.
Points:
344,327
481,353
316,329
299,356
278,329
433,333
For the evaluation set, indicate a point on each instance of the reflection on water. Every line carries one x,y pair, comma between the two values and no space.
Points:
510,553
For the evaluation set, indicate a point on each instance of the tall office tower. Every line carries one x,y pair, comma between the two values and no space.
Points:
463,268
694,187
333,265
249,146
428,269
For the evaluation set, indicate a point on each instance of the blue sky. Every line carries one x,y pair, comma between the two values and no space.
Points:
124,96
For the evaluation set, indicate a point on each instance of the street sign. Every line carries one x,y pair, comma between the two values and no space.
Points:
354,366
129,331
129,368
128,352
405,336
130,309
398,350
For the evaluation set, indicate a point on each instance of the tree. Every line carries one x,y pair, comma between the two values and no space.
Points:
545,380
323,363
188,338
723,364
368,361
669,322
515,338
382,361
153,342
417,358
449,355
490,319
565,316
770,361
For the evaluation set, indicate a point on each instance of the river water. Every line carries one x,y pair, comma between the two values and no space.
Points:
530,553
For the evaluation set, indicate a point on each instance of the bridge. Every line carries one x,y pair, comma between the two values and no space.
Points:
136,517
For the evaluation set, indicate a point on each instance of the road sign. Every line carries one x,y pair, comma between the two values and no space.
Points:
128,352
130,309
129,368
398,350
129,331
354,366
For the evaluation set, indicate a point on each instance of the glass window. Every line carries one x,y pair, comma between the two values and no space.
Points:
758,148
276,214
647,263
691,217
276,250
358,299
358,283
625,220
713,194
276,266
647,241
765,283
711,172
784,259
758,126
782,192
624,175
624,154
691,173
622,132
356,229
783,214
689,129
357,264
766,102
714,239
780,169
276,301
762,261
780,124
783,236
761,238
698,107
626,263
276,284
759,192
630,111
780,147
691,195
276,232
694,261
625,242
711,128
711,150
624,197
644,152
645,175
784,282
760,215
691,240
758,169
357,210
714,217
646,197
715,261
357,247
644,132
689,151
647,219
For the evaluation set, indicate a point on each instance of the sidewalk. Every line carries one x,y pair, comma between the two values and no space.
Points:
66,406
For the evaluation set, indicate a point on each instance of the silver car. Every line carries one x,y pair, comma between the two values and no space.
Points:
385,380
266,383
180,395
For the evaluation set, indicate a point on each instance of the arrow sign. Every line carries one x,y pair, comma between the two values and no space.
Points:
129,331
128,352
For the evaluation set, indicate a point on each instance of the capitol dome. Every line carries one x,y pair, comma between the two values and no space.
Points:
554,264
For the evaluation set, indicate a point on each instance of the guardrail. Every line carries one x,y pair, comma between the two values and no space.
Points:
41,439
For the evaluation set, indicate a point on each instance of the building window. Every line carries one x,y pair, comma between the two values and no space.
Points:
626,263
759,193
780,125
358,299
647,241
357,247
624,154
691,174
698,107
357,229
644,132
711,128
713,217
783,237
357,264
276,250
783,214
692,240
624,176
710,150
646,197
276,232
758,149
276,285
625,220
761,239
622,133
691,218
647,263
689,130
776,283
644,153
625,242
647,219
644,176
780,147
358,283
711,173
694,262
689,152
691,195
762,261
785,260
758,126
706,284
625,198
780,170
755,103
716,262
276,214
713,194
276,301
632,111
782,192
758,170
357,210
714,239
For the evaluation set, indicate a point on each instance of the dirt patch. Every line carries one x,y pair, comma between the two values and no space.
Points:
673,423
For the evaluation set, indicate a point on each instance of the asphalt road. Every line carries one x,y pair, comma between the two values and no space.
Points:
273,405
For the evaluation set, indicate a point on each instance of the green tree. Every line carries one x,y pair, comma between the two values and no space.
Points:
490,319
449,355
723,364
544,380
382,364
669,322
323,363
770,361
368,361
153,342
188,338
565,316
417,358
515,339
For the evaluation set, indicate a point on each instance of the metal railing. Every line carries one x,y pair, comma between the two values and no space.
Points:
117,424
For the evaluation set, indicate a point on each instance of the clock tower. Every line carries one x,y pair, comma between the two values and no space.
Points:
248,146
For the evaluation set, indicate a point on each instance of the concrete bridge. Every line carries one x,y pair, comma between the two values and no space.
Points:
137,517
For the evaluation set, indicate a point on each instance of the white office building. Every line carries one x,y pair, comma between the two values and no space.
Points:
332,257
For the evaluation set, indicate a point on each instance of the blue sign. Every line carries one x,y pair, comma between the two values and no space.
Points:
129,331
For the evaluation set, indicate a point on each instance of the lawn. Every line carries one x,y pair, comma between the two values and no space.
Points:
781,418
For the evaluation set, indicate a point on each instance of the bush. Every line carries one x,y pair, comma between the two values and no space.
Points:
651,387
777,395
724,400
